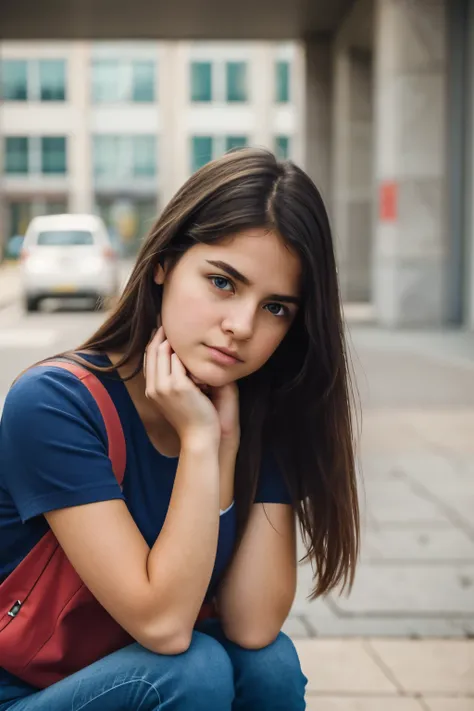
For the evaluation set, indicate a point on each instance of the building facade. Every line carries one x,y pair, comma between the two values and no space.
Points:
116,127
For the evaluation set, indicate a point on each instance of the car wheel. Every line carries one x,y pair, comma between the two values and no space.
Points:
31,304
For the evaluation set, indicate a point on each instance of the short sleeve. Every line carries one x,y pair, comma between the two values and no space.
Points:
53,444
272,488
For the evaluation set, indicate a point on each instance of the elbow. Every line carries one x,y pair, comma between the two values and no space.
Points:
171,646
166,640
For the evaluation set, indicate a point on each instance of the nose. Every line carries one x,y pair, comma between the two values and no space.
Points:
239,321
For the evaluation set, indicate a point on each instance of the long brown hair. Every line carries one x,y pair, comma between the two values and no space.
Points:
299,404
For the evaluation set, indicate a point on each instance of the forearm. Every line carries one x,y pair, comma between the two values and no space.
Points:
181,561
257,592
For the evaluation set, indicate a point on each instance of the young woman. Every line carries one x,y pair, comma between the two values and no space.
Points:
226,362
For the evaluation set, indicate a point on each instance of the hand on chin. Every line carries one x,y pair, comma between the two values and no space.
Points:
204,387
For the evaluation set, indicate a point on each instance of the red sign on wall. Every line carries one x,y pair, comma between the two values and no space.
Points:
388,201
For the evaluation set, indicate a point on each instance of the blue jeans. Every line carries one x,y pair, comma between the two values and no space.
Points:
213,675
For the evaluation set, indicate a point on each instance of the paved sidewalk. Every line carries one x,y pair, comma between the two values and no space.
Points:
388,675
416,575
10,284
406,630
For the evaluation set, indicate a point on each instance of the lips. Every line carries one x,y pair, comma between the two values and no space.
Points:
227,352
223,356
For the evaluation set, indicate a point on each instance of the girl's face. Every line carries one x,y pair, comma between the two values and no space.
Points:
240,295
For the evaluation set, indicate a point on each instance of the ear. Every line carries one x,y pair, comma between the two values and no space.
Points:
160,274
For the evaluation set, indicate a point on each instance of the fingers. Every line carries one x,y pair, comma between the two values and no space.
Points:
163,363
162,367
177,368
150,364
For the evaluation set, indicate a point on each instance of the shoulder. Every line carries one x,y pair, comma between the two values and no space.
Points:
53,444
46,393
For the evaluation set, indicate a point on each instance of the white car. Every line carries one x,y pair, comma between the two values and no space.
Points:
68,255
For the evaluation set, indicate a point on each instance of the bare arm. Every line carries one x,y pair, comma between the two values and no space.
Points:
257,592
154,594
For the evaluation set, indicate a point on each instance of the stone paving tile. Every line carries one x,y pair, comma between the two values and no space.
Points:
416,628
457,479
429,666
425,589
448,704
462,504
466,626
410,544
364,703
341,666
407,509
295,628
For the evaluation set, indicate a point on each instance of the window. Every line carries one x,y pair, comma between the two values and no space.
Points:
52,74
282,76
35,155
282,147
143,81
65,238
201,151
107,81
106,156
144,156
236,75
201,81
36,80
124,157
16,155
14,80
115,81
53,155
235,142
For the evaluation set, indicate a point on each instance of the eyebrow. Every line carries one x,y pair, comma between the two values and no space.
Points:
233,272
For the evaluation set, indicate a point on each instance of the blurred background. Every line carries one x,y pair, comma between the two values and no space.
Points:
108,108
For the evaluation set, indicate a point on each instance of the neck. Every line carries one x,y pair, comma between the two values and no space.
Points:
148,410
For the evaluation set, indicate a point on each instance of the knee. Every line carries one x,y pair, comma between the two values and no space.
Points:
206,675
275,672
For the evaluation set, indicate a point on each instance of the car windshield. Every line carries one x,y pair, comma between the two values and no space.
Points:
65,238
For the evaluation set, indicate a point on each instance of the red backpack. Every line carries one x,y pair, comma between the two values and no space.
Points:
50,624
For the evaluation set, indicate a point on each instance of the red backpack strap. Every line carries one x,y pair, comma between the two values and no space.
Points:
113,426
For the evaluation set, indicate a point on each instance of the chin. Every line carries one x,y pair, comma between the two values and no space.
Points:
212,376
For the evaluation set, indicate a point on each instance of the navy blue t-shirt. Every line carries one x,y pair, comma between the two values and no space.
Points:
53,454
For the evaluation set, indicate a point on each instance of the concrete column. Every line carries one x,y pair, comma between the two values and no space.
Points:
262,94
174,106
81,197
353,169
410,255
318,107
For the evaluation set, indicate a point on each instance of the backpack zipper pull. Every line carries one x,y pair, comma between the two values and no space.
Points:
15,609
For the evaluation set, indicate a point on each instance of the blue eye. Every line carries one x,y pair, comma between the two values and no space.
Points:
220,282
280,310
